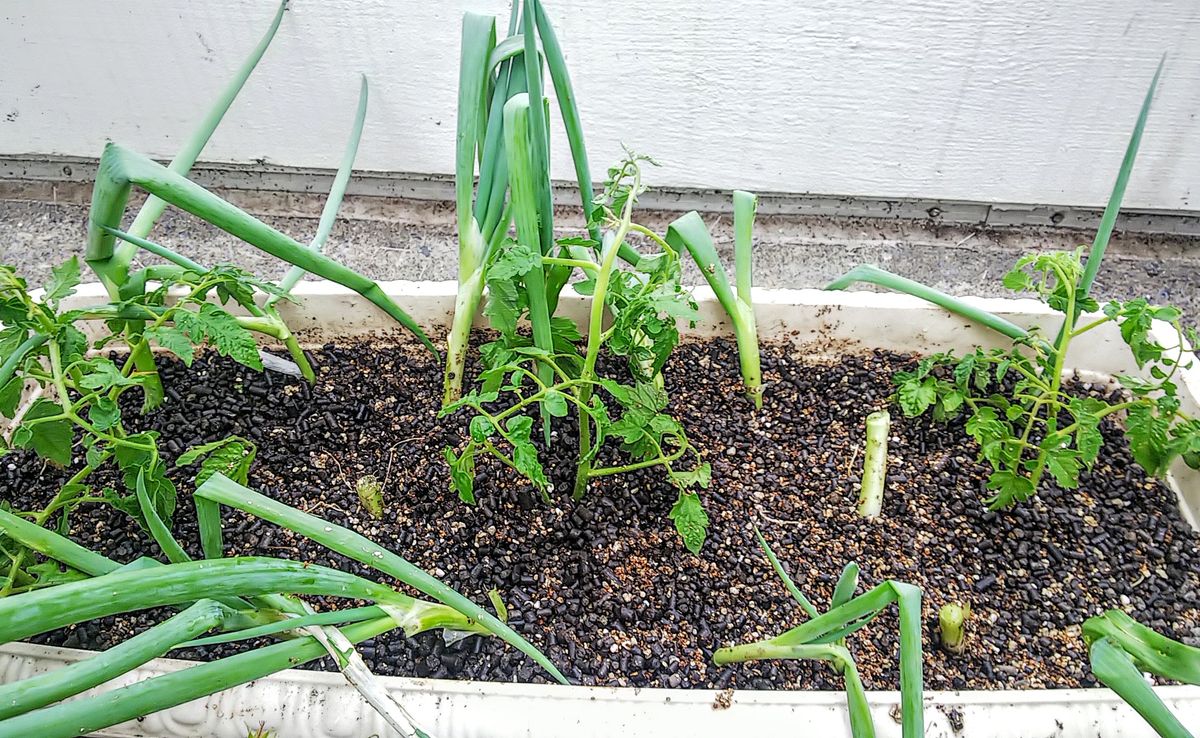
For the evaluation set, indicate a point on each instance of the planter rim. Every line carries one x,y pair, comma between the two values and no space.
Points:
649,694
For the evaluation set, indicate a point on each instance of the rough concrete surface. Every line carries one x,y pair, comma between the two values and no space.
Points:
402,239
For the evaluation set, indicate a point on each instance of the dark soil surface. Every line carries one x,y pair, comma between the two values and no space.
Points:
606,588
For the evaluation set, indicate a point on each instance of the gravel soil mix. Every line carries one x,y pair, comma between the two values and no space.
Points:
605,586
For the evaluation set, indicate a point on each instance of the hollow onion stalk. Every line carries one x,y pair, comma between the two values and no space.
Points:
689,231
478,41
336,193
530,216
121,168
44,689
870,499
952,623
883,278
96,712
823,638
126,590
1120,649
113,270
219,489
1112,209
887,280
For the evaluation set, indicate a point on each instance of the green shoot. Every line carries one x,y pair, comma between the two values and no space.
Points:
550,373
952,625
370,495
1122,648
478,40
792,589
823,638
870,499
689,231
120,168
340,181
882,278
1109,220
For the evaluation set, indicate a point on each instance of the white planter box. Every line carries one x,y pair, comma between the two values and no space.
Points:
300,704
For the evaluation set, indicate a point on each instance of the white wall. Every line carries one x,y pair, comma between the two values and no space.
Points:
994,100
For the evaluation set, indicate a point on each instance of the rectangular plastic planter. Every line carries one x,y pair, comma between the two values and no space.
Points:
302,704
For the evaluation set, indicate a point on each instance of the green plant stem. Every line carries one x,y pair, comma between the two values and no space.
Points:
661,460
861,724
588,266
793,590
126,590
525,156
879,277
952,623
1108,221
688,232
478,39
1117,671
54,546
595,329
338,191
10,365
1060,356
120,168
288,624
156,249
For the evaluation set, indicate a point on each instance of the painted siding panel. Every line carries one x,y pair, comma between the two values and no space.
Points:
996,100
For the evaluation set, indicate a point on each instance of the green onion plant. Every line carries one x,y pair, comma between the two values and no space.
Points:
239,598
1024,420
1121,649
689,232
491,76
823,636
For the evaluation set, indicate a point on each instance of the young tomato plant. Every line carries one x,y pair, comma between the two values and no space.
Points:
552,374
1031,426
1018,411
77,390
